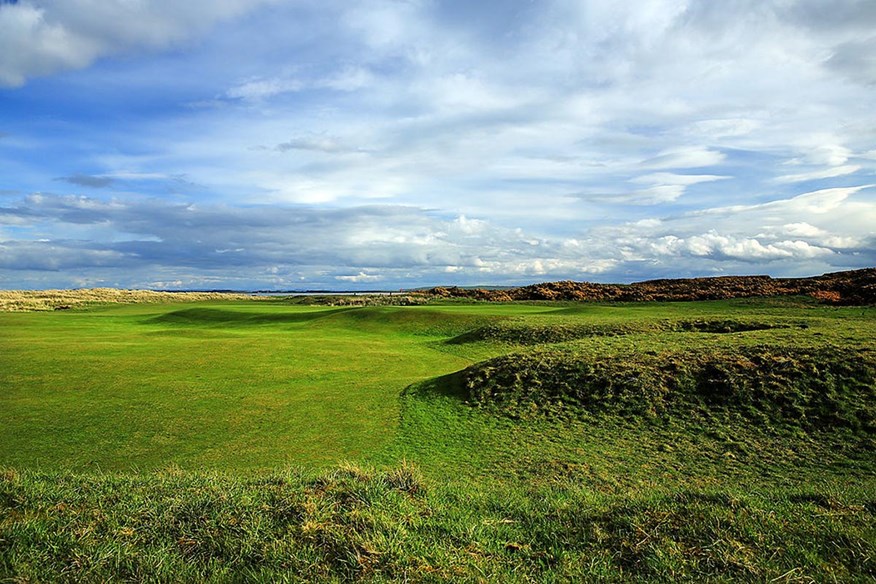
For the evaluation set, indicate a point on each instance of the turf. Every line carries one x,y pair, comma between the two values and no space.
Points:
210,386
725,440
357,524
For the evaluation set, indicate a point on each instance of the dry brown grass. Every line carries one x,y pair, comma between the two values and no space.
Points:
36,300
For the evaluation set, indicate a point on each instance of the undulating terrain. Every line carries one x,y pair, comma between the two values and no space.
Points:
274,439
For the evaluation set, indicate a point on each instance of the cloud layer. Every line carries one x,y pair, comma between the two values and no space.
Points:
393,246
337,144
44,37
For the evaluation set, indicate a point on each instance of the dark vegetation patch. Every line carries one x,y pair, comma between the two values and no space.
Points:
536,334
856,287
826,388
363,299
231,318
726,326
527,333
357,524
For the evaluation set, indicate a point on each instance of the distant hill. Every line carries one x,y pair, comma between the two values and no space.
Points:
856,287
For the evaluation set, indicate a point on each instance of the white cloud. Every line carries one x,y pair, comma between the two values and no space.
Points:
717,129
670,178
43,37
715,245
662,187
29,45
258,89
360,277
814,202
802,230
653,195
827,155
811,233
685,157
285,246
468,227
349,79
317,143
818,174
465,92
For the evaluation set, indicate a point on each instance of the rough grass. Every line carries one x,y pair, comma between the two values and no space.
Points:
525,332
826,388
358,524
42,300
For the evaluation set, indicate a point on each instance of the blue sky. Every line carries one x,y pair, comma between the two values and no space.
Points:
384,144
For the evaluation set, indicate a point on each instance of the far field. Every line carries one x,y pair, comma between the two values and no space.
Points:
550,438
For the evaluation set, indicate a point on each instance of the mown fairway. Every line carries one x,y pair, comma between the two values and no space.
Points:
220,386
517,442
224,386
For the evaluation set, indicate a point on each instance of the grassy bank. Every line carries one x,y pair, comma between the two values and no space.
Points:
358,524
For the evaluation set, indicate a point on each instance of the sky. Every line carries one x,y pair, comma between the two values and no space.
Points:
386,144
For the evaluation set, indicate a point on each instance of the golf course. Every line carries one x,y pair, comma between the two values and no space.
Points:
276,439
436,291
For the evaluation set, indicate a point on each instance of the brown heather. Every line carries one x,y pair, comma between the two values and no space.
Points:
42,300
856,287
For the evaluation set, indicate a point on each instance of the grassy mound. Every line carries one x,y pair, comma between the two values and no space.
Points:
514,332
523,333
421,321
811,388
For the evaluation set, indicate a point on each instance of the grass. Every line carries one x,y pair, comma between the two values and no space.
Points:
707,441
230,386
359,524
825,389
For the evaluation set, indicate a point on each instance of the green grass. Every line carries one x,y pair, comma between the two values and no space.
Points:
218,386
708,441
358,524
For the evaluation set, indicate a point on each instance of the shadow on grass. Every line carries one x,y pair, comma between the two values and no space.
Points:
226,318
412,320
449,386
